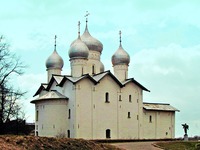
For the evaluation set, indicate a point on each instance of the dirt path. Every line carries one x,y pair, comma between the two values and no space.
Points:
137,146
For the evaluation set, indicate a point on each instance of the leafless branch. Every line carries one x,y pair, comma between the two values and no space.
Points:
10,65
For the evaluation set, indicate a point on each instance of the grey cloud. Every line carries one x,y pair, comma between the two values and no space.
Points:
172,75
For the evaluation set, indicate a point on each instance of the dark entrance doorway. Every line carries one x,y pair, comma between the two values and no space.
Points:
68,133
108,133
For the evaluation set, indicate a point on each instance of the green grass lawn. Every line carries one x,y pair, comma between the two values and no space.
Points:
180,145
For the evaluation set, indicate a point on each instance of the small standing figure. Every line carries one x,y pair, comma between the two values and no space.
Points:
185,127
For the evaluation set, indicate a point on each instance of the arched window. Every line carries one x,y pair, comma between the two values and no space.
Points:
107,97
150,119
108,133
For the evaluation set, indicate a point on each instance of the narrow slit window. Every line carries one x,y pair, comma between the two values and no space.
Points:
107,97
93,69
82,70
37,115
69,115
129,115
120,98
150,119
130,98
68,133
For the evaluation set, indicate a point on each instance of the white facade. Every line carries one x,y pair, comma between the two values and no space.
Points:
95,104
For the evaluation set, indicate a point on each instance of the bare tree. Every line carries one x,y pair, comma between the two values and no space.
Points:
10,65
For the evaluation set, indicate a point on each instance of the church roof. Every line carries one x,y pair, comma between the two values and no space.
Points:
137,83
43,86
74,80
51,95
100,76
61,79
58,78
159,107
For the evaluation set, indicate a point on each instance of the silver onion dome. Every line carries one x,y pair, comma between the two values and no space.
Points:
91,42
78,49
54,61
120,57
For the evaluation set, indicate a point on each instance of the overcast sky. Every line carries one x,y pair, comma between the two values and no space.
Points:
161,36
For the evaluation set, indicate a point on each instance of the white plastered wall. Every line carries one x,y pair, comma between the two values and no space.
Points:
83,108
105,114
51,117
161,126
130,127
69,90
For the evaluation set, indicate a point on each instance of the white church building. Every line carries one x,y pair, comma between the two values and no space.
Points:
92,103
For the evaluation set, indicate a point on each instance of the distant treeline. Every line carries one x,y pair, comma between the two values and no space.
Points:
17,127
